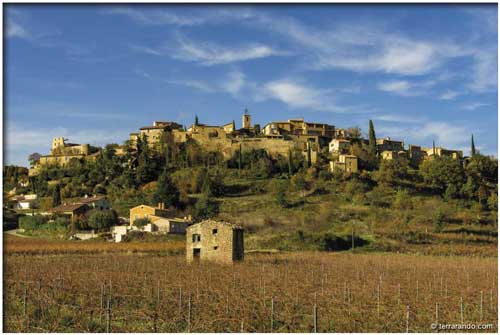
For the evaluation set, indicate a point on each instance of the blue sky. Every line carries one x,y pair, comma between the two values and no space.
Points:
95,73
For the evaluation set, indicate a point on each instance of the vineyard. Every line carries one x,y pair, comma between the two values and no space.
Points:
299,292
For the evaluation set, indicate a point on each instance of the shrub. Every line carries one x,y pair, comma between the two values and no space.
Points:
102,219
32,222
141,222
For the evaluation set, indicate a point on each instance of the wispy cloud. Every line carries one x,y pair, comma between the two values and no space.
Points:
474,105
398,118
447,134
406,88
155,17
208,54
297,94
449,95
485,71
15,29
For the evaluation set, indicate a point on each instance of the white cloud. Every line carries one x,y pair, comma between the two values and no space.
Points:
398,118
449,95
208,54
474,105
405,87
485,71
234,83
14,29
156,17
196,84
446,134
299,95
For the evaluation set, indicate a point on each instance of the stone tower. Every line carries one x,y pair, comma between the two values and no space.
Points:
246,120
57,142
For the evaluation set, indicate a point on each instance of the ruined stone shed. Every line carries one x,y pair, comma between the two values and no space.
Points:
214,241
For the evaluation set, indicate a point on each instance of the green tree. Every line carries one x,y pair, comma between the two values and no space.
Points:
440,172
102,219
372,140
56,195
392,172
472,146
166,192
196,120
205,207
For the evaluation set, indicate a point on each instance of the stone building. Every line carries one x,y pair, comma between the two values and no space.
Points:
299,127
61,154
387,144
390,154
442,152
339,145
148,212
346,163
171,225
214,241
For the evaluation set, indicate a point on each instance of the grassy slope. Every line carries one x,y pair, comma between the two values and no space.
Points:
385,227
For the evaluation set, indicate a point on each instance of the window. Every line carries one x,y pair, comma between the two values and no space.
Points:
216,247
214,231
196,238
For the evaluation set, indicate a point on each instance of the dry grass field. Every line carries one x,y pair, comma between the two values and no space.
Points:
38,246
294,292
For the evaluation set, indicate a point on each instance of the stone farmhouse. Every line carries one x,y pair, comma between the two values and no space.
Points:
214,241
148,212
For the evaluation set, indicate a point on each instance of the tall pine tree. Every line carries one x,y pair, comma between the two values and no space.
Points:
472,146
196,120
372,140
56,195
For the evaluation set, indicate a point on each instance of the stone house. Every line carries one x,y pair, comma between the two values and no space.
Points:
214,241
97,201
390,155
149,212
346,163
25,201
339,146
387,144
70,210
171,225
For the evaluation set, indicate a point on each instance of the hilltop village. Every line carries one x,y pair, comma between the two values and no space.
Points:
291,185
276,138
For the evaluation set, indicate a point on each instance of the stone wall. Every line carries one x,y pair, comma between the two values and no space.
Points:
218,241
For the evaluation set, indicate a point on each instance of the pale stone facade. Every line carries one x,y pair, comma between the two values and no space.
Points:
339,146
148,212
346,163
214,241
387,144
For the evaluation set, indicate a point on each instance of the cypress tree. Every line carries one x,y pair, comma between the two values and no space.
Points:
290,163
472,146
433,148
239,161
196,120
372,140
234,126
308,154
56,196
